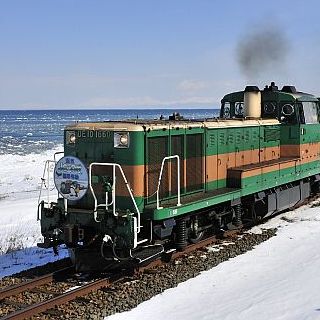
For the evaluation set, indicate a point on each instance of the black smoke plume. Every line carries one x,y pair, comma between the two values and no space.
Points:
262,50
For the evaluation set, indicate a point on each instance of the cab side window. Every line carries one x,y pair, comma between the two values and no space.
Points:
310,111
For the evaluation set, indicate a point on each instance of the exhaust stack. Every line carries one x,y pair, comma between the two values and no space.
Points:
252,102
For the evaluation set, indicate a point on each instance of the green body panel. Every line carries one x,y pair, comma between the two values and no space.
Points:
310,133
233,140
166,213
250,185
94,149
90,149
269,136
290,134
300,134
124,203
172,132
135,154
221,183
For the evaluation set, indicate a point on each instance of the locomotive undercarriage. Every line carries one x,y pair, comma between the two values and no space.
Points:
112,245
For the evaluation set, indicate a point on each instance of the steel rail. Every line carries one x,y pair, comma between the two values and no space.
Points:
174,254
30,284
61,299
39,307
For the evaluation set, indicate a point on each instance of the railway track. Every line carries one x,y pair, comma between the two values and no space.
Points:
13,296
39,307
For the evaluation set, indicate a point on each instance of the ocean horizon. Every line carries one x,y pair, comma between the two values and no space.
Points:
35,131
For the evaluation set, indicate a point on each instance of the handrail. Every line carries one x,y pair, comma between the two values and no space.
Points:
46,170
178,179
58,152
113,202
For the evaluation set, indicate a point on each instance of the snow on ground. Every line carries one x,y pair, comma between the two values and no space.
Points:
20,180
279,279
19,229
20,174
17,261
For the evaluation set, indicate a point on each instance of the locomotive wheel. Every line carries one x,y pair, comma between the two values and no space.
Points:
195,237
194,234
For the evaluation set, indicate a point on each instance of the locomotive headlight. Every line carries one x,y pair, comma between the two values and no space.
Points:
124,140
121,140
70,137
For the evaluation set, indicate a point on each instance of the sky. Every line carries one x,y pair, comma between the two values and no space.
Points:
152,54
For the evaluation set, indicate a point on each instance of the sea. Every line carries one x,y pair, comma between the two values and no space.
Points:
30,137
34,131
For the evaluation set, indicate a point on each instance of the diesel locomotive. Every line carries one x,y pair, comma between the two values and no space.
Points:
130,190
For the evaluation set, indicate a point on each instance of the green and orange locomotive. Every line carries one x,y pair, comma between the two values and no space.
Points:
130,190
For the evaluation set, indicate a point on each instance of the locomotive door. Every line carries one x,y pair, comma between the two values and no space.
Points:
187,143
157,147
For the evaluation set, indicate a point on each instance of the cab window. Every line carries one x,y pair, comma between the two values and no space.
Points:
288,113
310,110
226,110
238,109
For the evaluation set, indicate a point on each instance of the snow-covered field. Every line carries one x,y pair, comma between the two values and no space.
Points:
20,180
279,279
20,174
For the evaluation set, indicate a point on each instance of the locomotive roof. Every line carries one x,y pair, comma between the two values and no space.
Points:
299,96
143,125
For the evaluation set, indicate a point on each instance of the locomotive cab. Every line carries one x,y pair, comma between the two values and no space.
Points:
287,105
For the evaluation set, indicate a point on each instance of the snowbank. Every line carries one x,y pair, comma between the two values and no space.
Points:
19,229
276,280
20,180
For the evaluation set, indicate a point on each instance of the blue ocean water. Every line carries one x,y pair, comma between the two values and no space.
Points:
34,131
